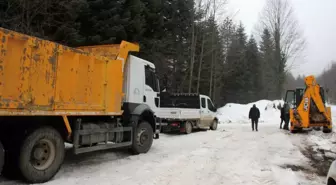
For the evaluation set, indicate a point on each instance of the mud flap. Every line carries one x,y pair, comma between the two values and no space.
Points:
2,157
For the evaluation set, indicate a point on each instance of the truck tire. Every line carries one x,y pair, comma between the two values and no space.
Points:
143,138
41,155
2,157
214,125
188,127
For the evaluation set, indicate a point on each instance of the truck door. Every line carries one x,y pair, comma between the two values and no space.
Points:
212,111
205,112
151,95
291,98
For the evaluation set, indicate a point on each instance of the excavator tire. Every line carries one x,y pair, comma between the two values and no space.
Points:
295,130
326,130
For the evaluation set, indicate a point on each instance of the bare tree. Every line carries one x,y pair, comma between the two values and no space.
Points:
279,18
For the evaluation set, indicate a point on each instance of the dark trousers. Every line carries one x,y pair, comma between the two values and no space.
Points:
282,120
286,123
254,123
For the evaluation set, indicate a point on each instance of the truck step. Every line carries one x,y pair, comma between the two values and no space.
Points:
101,147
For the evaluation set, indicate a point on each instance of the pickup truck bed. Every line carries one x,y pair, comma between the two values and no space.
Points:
178,114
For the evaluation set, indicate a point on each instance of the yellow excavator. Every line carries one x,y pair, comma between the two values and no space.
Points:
307,108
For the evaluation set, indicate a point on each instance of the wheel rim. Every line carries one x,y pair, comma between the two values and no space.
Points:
43,154
215,125
143,137
188,127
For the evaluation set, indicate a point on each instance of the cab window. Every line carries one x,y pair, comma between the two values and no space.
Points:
203,103
151,79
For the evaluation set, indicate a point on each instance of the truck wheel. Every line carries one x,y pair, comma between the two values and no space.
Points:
2,157
188,127
41,155
214,125
143,139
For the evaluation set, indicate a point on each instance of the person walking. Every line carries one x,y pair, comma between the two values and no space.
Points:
254,115
282,115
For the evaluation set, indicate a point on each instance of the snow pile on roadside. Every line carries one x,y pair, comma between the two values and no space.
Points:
326,142
238,113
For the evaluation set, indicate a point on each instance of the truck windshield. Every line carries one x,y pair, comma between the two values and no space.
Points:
211,106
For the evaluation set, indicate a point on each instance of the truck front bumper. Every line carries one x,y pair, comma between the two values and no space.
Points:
2,157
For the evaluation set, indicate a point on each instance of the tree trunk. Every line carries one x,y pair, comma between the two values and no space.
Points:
200,65
214,96
213,49
192,55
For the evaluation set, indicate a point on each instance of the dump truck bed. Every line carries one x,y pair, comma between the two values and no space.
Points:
39,77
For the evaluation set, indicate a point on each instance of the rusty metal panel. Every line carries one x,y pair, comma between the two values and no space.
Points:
45,78
14,70
114,83
111,51
39,77
42,76
80,81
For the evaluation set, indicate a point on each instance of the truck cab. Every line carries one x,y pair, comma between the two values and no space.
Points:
184,112
141,88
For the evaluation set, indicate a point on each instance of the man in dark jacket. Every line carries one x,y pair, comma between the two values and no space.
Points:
282,116
254,115
286,116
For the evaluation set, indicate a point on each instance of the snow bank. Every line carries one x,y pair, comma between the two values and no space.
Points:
238,113
322,141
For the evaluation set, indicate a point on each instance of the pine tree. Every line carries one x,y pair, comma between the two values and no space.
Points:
253,70
268,70
236,79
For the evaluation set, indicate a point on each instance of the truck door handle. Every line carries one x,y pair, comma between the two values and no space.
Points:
144,98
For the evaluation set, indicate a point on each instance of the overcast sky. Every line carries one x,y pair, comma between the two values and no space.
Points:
317,20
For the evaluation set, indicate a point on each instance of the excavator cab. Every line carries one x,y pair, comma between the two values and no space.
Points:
307,107
294,97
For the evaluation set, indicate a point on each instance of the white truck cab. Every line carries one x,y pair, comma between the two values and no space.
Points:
185,112
208,111
141,88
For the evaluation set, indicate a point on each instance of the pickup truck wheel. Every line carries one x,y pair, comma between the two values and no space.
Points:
41,155
143,139
214,125
188,127
2,157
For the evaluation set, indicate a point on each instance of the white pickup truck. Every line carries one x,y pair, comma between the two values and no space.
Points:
184,112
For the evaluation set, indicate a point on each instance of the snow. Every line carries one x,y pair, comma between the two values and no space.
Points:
238,113
231,155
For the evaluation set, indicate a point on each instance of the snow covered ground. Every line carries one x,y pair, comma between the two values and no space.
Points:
232,155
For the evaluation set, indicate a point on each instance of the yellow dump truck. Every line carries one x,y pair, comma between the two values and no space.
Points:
96,98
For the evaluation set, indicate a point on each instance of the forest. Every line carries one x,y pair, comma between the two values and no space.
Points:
194,47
